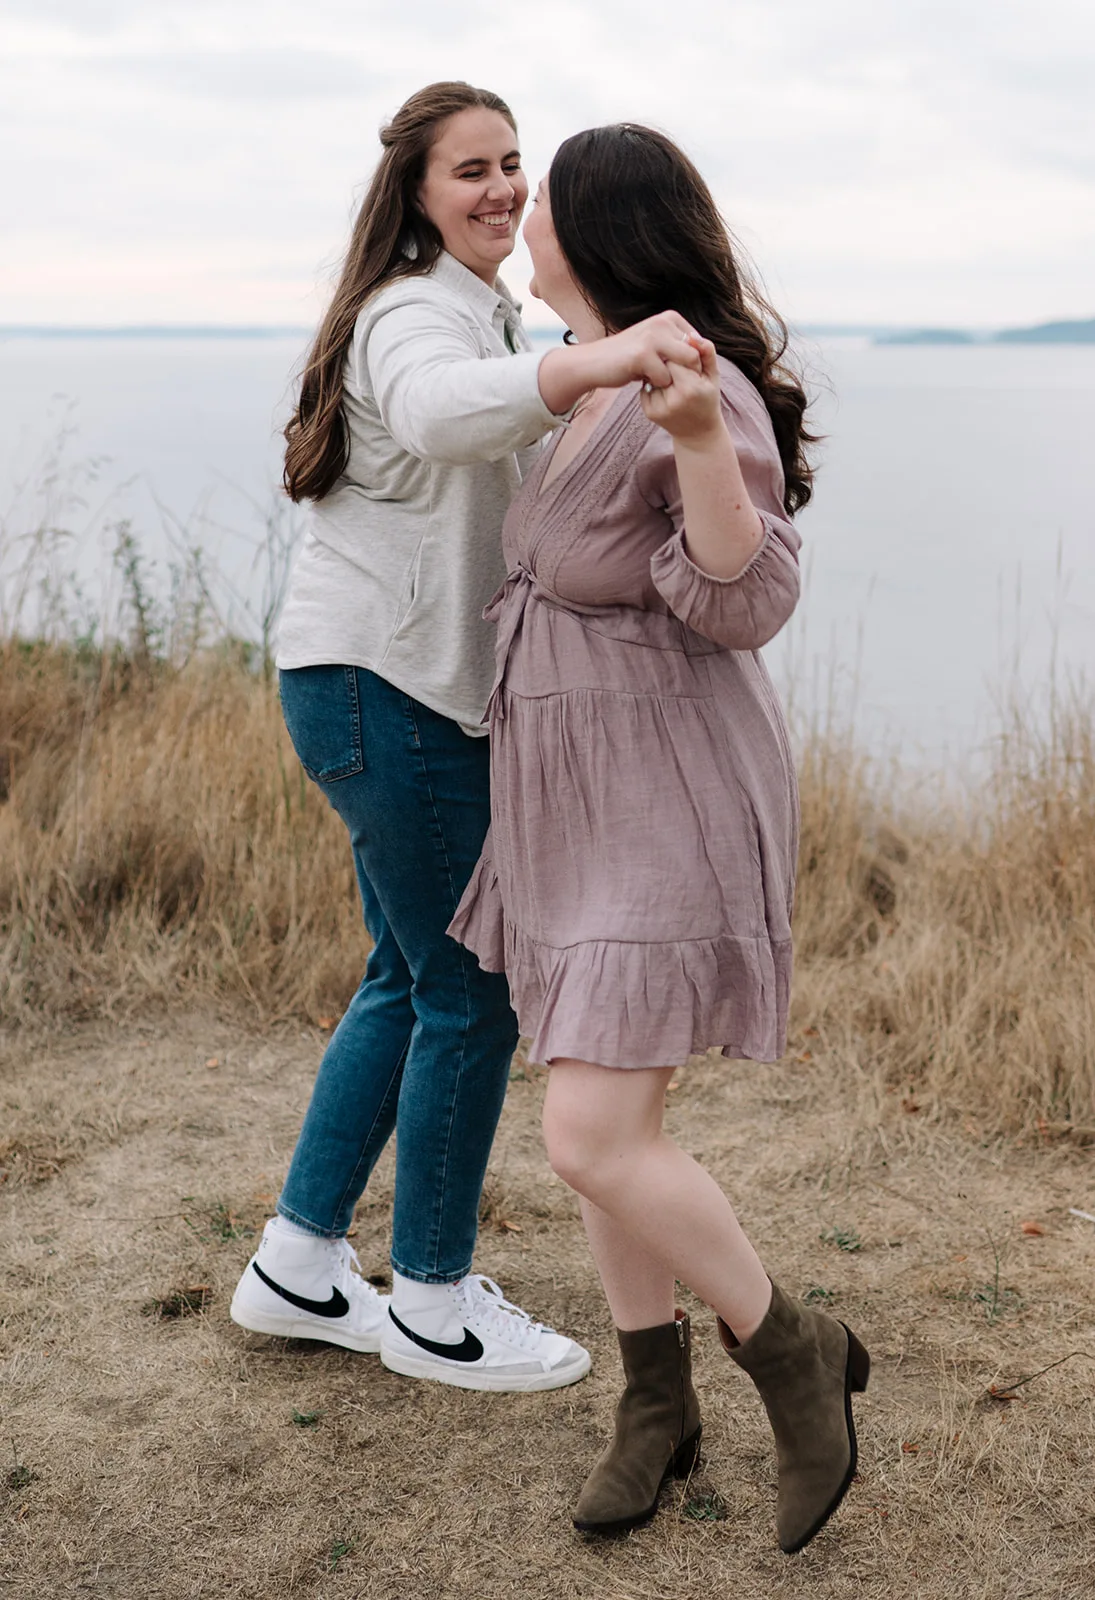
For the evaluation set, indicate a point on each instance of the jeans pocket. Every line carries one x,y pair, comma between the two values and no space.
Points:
323,715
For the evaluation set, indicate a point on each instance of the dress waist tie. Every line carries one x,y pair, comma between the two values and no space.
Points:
506,608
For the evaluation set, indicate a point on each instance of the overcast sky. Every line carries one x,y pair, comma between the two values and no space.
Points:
198,160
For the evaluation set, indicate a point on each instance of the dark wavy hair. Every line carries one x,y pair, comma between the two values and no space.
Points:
391,238
641,233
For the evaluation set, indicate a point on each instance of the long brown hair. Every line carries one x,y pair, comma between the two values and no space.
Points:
641,233
392,238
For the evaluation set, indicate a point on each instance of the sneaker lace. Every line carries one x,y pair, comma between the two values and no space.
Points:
351,1282
483,1299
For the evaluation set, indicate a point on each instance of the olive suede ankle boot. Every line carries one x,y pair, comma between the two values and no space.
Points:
657,1431
806,1367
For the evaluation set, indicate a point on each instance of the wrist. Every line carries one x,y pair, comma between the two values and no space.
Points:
563,378
709,439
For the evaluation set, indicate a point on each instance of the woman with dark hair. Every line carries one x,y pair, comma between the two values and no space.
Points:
638,882
420,405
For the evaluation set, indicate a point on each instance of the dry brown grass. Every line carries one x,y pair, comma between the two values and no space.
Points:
176,1456
946,943
158,836
158,839
178,916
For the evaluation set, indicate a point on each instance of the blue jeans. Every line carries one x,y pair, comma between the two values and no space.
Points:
425,1045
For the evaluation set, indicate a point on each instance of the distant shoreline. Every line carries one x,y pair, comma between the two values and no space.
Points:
1077,332
1042,333
151,330
1074,332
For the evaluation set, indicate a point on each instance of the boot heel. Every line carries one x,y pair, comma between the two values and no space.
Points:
686,1457
859,1364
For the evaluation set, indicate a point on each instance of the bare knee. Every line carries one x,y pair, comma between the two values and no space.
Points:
587,1153
575,1151
598,1121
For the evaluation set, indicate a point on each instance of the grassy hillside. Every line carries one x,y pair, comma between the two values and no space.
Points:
158,840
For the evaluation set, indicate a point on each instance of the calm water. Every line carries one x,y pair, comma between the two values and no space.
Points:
951,543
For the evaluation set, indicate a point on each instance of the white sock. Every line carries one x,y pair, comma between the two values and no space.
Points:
408,1295
295,1231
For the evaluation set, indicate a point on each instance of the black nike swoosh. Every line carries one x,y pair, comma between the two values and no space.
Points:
336,1306
469,1349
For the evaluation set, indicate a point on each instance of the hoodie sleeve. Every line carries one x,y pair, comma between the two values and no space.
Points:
440,396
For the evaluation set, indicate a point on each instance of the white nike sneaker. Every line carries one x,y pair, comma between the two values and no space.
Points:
306,1288
469,1335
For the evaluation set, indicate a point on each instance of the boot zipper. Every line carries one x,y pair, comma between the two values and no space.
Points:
680,1424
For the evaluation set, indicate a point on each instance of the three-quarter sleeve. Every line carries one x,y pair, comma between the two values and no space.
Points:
438,397
747,610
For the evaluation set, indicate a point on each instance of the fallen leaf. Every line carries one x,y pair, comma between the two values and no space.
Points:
511,1227
809,1033
806,1055
1055,1130
326,1023
958,1258
214,1061
673,1085
910,1105
1035,1229
909,1449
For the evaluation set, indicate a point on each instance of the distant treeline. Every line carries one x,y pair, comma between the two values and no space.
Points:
1044,333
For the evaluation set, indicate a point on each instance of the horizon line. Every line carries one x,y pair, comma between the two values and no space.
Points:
232,330
138,329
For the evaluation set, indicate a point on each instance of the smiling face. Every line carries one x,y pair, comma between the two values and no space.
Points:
474,191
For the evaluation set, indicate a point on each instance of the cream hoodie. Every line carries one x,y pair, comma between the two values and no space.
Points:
399,559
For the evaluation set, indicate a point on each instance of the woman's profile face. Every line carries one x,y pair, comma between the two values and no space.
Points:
552,279
474,191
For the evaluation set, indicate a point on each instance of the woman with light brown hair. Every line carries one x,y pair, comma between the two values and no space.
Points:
421,407
637,888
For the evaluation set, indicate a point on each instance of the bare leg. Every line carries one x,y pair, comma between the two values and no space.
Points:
638,1286
603,1130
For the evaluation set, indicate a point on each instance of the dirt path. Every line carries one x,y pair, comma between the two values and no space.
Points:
160,1456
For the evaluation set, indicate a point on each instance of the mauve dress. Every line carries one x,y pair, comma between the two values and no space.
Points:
637,881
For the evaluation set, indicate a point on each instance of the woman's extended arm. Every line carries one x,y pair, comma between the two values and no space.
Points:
643,351
442,401
438,396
